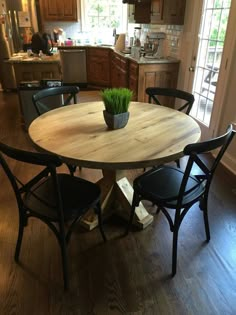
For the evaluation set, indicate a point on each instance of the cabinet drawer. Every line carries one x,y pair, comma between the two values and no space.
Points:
99,52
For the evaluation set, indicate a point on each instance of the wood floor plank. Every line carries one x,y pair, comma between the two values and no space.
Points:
126,275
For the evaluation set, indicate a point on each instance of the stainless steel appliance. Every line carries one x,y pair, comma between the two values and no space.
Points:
73,63
154,45
18,21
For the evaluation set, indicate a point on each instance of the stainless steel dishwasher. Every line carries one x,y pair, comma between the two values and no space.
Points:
73,63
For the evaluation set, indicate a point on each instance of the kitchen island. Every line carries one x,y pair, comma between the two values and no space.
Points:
35,68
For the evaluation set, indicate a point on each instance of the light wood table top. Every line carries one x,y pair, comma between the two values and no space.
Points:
154,135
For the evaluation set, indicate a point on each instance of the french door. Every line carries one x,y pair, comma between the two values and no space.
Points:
209,63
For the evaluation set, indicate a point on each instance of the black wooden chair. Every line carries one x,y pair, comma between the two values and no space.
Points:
171,189
68,93
57,199
68,96
154,94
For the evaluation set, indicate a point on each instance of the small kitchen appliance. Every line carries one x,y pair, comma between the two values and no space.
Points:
153,47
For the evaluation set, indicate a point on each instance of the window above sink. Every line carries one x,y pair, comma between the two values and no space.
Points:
101,17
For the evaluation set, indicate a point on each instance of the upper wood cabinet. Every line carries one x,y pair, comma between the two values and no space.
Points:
58,10
142,12
173,12
157,12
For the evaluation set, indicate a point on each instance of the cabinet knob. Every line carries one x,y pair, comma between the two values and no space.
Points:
191,69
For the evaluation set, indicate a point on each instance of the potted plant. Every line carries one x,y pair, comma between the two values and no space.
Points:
116,102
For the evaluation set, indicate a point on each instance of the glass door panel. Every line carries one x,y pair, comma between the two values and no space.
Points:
210,48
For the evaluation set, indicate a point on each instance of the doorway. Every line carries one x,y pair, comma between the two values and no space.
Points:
207,61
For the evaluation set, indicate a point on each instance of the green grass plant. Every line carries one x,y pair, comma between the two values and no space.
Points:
116,100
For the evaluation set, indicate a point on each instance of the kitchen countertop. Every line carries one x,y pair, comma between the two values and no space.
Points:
23,58
141,60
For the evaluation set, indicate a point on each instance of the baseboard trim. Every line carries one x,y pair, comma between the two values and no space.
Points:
229,162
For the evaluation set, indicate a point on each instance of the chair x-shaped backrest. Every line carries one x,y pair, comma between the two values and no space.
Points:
50,163
155,92
67,92
194,150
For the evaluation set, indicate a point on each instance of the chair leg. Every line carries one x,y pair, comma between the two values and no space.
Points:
177,163
99,213
135,202
174,250
176,226
64,262
19,240
72,169
203,207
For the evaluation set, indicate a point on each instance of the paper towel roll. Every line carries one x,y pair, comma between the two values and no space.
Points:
120,43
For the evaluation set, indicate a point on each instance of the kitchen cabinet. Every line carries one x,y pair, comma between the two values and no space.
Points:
58,10
142,12
37,71
173,12
98,66
157,12
119,71
133,79
161,75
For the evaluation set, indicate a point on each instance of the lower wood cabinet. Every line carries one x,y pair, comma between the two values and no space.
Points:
161,75
133,79
98,66
119,70
36,71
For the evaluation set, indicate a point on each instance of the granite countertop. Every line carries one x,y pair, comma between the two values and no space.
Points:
149,59
141,60
23,58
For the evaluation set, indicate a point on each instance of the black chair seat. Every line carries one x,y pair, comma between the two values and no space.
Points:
162,186
42,200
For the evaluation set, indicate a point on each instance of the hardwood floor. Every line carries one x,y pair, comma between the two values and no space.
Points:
126,275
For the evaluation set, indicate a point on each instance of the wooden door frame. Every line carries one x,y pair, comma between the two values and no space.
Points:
190,44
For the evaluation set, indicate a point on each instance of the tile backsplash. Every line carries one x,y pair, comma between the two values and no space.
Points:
173,37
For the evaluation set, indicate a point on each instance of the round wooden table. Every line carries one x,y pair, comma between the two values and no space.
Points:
154,135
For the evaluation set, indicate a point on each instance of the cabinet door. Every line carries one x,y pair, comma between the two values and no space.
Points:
161,75
115,62
142,12
119,71
133,79
98,66
59,10
174,11
157,11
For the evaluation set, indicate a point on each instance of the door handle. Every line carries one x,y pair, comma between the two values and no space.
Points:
191,69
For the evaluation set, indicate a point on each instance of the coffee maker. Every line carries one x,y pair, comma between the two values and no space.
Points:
153,47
